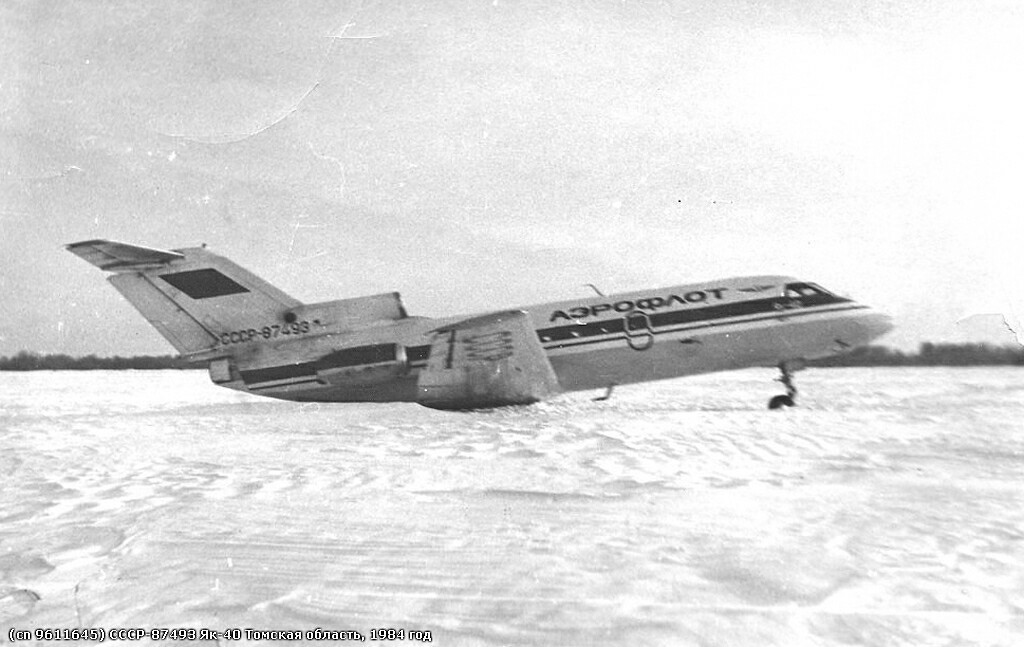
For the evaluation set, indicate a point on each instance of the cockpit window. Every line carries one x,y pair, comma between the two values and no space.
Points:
820,289
804,290
797,290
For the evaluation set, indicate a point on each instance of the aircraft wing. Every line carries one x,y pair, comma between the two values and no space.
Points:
113,256
489,361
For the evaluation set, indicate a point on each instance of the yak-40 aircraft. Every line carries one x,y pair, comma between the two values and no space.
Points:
257,339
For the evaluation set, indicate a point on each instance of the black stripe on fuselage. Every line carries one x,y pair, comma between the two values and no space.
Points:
260,387
417,353
678,317
417,356
359,356
345,358
288,371
731,321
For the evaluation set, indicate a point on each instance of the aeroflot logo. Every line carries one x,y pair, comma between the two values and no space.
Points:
650,303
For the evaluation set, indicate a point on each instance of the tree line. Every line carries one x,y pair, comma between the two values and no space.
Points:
26,361
928,354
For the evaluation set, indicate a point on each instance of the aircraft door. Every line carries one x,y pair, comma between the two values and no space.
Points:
637,326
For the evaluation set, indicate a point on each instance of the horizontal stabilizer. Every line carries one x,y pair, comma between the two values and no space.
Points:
116,257
490,361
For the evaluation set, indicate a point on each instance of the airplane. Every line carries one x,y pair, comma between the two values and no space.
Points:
257,339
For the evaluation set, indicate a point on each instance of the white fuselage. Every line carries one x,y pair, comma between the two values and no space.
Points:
591,343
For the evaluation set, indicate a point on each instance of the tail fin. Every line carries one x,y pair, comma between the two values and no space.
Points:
191,296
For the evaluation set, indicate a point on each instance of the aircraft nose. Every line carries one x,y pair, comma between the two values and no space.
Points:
876,324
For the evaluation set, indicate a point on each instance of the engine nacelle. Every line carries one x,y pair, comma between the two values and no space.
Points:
346,314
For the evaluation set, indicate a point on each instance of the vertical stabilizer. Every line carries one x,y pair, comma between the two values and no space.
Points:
193,297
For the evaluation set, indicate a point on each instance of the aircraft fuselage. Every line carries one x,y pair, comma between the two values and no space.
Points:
591,343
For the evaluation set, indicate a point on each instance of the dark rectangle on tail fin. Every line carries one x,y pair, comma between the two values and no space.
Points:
203,284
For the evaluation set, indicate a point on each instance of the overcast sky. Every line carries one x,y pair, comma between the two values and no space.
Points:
480,155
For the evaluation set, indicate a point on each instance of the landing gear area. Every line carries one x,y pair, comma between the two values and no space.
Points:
607,394
789,400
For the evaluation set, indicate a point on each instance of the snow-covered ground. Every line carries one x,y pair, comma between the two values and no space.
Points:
888,509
